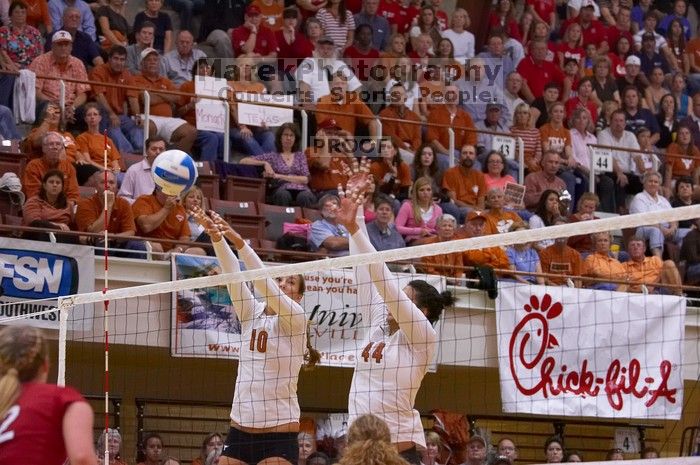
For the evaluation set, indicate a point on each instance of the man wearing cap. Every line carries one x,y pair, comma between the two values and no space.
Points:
465,186
175,130
252,38
537,71
87,24
144,40
633,75
477,451
594,32
650,58
476,225
126,133
59,63
84,47
53,157
314,75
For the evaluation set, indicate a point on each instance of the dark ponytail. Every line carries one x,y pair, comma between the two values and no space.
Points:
427,297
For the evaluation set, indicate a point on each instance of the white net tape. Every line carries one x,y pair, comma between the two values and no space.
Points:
494,240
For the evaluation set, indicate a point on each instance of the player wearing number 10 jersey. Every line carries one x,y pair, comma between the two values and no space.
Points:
265,411
399,344
40,423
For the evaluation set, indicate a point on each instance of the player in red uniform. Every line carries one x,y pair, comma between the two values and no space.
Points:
42,424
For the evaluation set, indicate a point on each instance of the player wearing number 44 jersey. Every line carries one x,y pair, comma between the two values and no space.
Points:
265,411
40,423
399,345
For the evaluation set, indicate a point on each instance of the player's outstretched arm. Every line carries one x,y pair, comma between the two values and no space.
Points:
409,317
292,316
77,434
242,300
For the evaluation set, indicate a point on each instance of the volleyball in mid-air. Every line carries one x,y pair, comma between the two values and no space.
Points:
174,171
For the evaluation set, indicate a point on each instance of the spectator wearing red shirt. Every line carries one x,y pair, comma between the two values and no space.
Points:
395,14
504,18
621,28
360,55
420,55
544,11
537,72
253,39
440,16
583,99
593,30
293,46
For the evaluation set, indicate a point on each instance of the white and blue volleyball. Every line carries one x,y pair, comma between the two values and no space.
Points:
174,172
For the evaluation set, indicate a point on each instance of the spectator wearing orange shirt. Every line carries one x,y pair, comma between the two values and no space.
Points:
449,264
326,156
464,185
452,116
177,131
346,103
92,144
407,132
60,63
495,257
49,209
499,220
54,157
538,182
126,133
561,259
91,211
682,158
391,174
650,271
601,265
161,216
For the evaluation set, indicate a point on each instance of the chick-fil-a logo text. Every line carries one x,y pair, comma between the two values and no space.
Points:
546,378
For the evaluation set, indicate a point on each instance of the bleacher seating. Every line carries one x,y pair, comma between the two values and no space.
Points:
276,216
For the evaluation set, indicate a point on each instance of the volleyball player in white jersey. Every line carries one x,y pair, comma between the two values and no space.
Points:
265,411
400,342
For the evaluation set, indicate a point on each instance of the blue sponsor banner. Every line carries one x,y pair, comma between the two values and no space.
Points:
34,275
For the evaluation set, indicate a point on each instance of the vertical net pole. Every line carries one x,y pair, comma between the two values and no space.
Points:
106,302
62,332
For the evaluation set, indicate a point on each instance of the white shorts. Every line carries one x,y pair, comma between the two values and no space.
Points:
165,126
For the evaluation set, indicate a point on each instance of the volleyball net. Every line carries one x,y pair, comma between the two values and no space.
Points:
602,368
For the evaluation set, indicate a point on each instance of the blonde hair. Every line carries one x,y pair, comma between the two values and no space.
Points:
431,437
369,443
420,182
23,352
191,191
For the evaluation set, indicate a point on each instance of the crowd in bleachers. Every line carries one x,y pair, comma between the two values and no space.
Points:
559,76
317,449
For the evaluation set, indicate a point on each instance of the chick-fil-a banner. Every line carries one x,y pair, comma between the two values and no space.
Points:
581,352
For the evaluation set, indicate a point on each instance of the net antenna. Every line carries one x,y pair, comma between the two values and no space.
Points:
461,245
105,288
